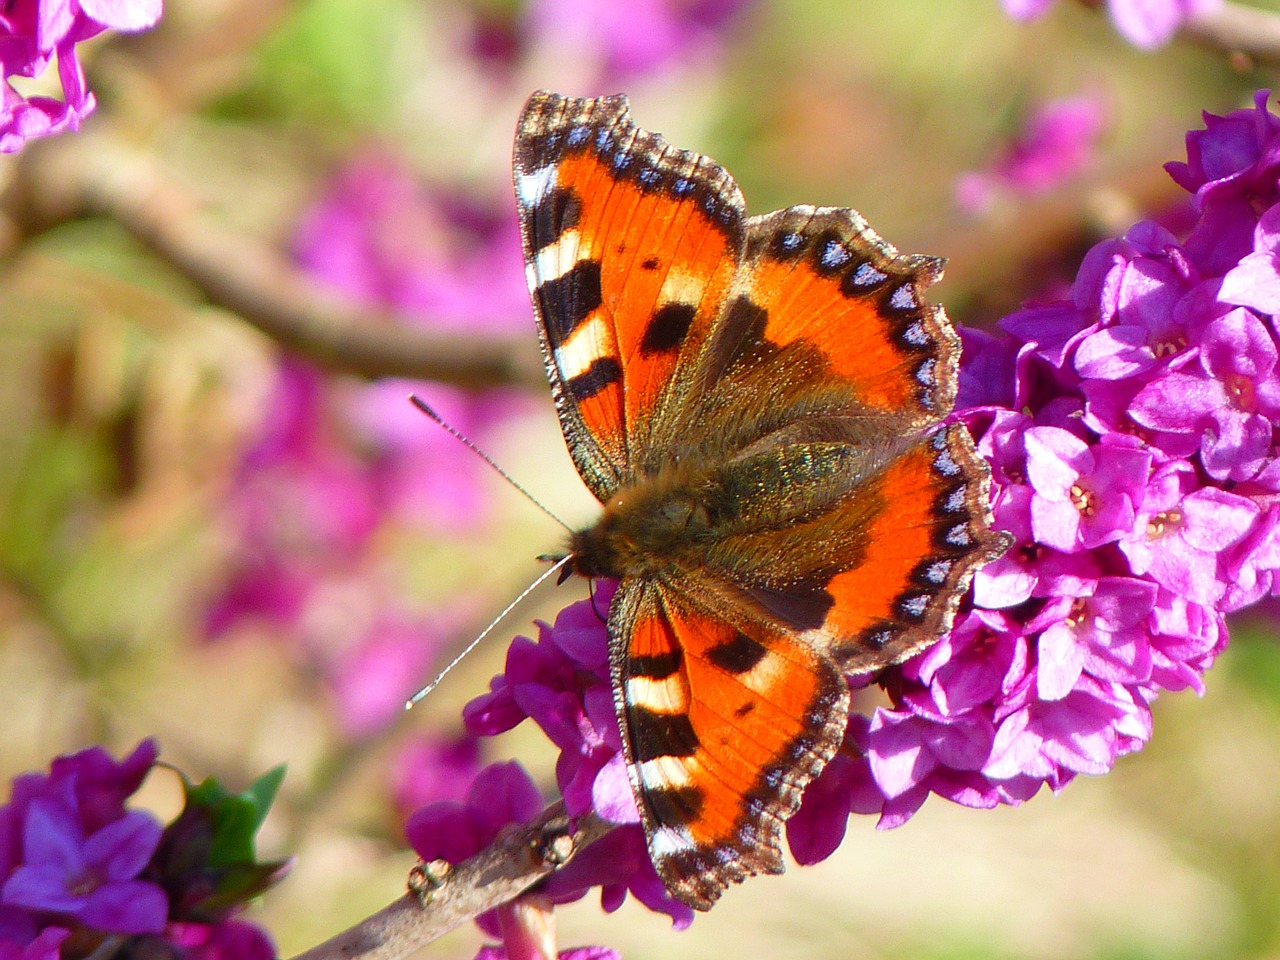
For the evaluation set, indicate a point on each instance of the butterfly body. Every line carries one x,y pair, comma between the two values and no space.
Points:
687,517
758,404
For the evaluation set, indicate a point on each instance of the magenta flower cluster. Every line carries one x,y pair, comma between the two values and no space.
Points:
1130,431
1144,23
77,866
35,32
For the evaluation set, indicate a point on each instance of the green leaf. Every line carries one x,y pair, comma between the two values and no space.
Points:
235,818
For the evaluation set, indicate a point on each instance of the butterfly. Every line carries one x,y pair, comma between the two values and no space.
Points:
758,403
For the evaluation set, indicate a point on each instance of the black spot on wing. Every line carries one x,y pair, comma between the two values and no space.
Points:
602,372
802,607
741,333
559,211
655,666
667,327
656,735
738,655
674,806
567,300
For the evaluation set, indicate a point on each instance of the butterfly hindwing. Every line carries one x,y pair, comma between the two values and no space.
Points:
631,246
727,722
877,572
838,372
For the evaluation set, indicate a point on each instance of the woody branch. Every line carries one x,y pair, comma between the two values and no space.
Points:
96,173
501,872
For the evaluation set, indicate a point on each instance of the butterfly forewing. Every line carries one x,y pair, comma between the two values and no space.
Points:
631,246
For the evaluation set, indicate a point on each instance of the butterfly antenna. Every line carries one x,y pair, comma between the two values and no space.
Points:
457,435
486,631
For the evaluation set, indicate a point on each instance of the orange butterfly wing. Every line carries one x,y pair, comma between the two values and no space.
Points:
726,725
630,247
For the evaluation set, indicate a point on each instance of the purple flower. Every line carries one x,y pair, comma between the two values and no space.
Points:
229,940
447,830
44,946
1183,531
72,869
1101,631
1230,168
1255,281
618,863
1144,23
1229,402
431,769
1083,732
1055,145
1084,496
562,683
101,784
32,33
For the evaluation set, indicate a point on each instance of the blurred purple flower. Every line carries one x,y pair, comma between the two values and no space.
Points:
577,953
32,33
420,474
1056,144
1144,23
229,940
627,41
379,235
44,946
383,668
339,469
301,507
431,769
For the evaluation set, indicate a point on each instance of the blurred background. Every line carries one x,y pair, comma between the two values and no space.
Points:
254,553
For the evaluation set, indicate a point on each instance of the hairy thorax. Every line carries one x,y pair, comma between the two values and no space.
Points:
651,526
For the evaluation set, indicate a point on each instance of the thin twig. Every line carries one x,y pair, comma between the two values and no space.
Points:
95,173
1236,29
502,871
